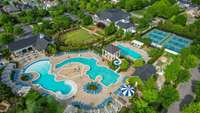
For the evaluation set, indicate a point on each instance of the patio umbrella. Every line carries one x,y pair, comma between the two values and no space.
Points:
127,90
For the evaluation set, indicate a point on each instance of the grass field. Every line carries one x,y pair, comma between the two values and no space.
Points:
78,37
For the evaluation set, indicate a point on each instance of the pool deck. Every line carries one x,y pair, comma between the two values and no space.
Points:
142,52
76,73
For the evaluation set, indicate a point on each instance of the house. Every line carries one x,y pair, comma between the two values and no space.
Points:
49,3
32,42
114,1
10,9
71,16
16,87
145,72
117,16
22,6
111,52
184,3
126,27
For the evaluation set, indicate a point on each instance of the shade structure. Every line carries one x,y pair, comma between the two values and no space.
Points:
127,90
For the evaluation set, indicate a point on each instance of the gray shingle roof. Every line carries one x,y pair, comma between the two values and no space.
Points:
10,9
125,25
113,14
111,49
34,40
145,71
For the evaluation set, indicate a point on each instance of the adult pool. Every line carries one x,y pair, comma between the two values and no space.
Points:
125,51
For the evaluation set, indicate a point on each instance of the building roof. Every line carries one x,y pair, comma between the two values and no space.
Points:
111,49
22,6
10,9
145,71
125,25
40,42
71,16
137,42
113,14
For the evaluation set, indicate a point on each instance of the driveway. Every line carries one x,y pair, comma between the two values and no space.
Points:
186,92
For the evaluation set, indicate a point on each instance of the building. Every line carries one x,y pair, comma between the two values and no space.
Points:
49,3
137,43
126,27
111,52
17,87
32,42
114,1
10,9
117,16
145,72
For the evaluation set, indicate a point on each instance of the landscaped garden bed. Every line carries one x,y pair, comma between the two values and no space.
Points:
92,88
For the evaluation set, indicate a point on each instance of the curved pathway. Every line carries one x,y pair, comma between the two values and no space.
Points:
185,91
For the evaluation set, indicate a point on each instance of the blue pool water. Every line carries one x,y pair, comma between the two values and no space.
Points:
108,76
46,79
125,51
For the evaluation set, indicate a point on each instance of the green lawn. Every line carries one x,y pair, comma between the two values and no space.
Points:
78,37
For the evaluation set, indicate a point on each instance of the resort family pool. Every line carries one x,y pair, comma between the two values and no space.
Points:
108,76
125,51
46,79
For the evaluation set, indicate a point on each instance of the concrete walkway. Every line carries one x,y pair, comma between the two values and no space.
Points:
185,91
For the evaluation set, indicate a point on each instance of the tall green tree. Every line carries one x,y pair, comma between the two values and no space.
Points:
168,95
111,29
192,108
172,72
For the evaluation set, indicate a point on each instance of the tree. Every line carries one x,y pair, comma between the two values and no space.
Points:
196,2
5,19
87,20
5,92
61,22
149,90
51,49
197,90
120,33
172,72
8,28
141,106
138,63
184,76
190,61
168,95
18,30
128,35
192,108
6,53
5,38
181,19
109,30
132,81
125,65
195,50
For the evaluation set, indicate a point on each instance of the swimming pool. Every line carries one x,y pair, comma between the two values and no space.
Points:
108,76
125,51
46,79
